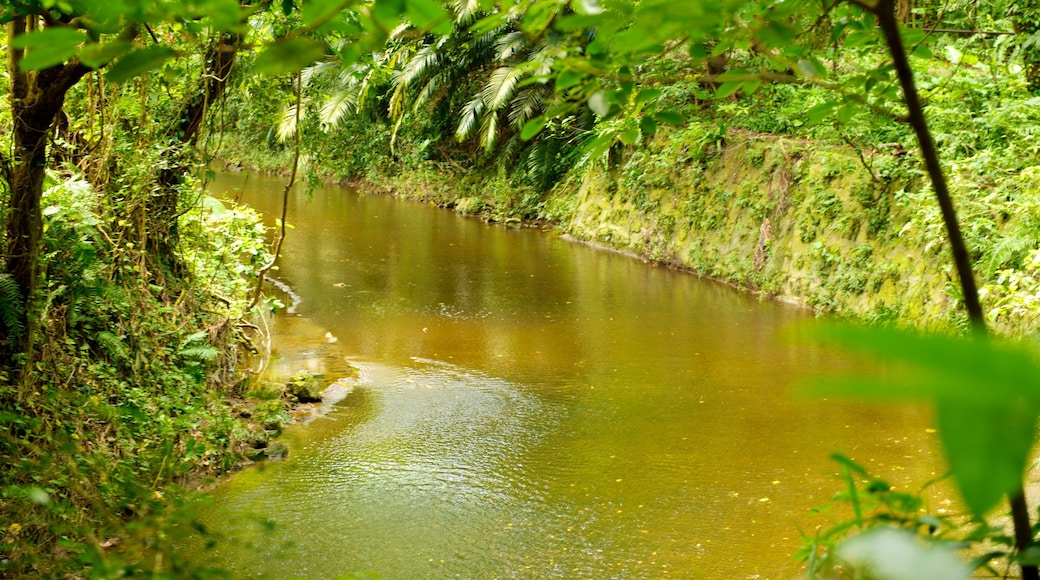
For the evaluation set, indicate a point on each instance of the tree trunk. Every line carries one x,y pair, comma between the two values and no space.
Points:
35,99
162,231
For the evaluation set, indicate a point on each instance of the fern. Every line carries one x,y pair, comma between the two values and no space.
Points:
113,345
203,353
12,309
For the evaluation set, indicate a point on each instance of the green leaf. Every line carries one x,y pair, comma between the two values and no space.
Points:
387,13
819,112
629,136
727,89
532,128
777,34
538,16
429,15
314,11
48,47
669,117
987,447
647,125
288,56
987,395
647,95
567,79
810,67
846,113
98,55
139,62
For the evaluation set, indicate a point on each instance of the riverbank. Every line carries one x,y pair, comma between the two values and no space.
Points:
845,232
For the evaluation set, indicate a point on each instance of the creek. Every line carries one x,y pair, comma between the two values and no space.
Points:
531,407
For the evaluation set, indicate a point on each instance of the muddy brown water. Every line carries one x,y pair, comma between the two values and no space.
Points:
531,407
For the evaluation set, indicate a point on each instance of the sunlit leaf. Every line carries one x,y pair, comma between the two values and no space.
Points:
288,56
139,62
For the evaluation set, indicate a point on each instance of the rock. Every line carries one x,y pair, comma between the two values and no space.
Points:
305,387
266,391
276,450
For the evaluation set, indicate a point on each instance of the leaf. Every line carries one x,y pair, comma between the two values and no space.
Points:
599,104
314,11
288,56
647,125
567,79
987,447
777,34
629,136
98,55
139,62
810,67
429,15
532,128
669,117
819,112
727,89
896,554
986,392
48,47
387,13
647,95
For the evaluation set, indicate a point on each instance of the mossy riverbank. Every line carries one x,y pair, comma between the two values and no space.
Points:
855,233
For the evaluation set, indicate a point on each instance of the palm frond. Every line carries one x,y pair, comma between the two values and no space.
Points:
337,105
489,130
471,112
500,87
526,104
317,69
428,91
287,125
510,44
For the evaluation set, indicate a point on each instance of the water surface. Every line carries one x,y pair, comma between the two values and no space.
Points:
533,408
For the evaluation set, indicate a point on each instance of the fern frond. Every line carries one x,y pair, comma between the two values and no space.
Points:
203,353
423,61
12,310
113,345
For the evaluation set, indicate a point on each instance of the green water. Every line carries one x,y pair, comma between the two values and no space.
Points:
535,408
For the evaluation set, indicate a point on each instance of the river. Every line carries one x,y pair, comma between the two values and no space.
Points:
531,407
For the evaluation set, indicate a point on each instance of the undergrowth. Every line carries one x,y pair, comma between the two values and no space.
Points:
128,399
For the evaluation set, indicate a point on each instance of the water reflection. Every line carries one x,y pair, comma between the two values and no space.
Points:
535,408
